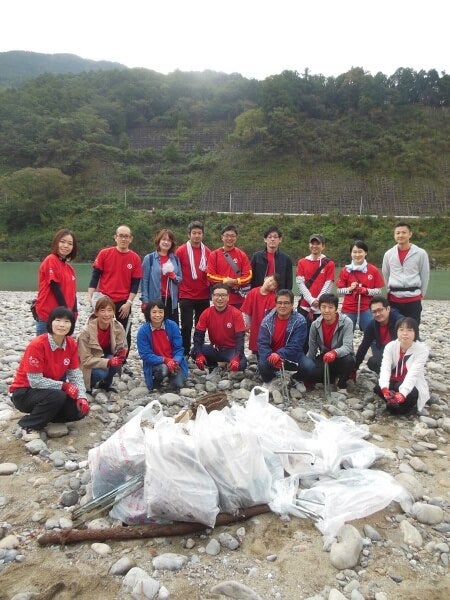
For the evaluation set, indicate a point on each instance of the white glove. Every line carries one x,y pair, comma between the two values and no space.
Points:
167,268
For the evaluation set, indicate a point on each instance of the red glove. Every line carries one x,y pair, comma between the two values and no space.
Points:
275,360
115,361
330,356
171,275
143,306
70,389
122,353
233,365
200,361
398,398
387,394
171,364
83,406
352,375
362,290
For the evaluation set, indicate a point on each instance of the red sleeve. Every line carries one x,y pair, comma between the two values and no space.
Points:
203,321
238,320
343,281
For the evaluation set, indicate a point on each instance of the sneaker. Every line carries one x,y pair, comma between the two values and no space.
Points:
101,385
30,434
300,387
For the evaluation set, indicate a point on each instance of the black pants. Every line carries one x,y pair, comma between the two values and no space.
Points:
309,321
124,322
169,311
409,309
339,369
190,310
409,406
44,406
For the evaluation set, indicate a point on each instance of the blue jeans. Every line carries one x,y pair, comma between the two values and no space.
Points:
268,372
176,380
41,327
365,316
105,375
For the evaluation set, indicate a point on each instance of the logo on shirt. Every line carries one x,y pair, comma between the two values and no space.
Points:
370,277
129,266
33,361
66,362
229,325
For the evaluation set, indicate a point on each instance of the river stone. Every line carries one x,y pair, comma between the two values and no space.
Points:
427,513
57,430
411,535
140,585
8,468
236,590
169,561
346,549
212,547
122,566
101,549
9,542
336,595
228,541
411,484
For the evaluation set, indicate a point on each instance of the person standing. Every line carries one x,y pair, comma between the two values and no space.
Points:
281,339
330,342
117,273
102,346
257,303
226,330
378,333
314,277
57,285
161,275
272,260
230,266
406,272
358,282
402,382
194,286
48,384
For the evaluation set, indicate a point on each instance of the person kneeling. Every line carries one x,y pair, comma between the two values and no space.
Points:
48,384
402,381
161,349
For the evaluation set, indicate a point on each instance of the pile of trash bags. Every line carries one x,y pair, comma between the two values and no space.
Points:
242,456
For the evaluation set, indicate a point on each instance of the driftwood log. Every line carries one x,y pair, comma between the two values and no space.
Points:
72,536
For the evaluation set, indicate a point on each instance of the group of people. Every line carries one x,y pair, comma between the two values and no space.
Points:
222,294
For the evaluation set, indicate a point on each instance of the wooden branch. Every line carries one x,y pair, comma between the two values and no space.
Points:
71,536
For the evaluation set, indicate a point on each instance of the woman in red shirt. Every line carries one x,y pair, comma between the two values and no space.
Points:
358,282
57,285
48,384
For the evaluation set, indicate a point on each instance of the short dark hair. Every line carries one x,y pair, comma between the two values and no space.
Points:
61,312
158,303
402,224
220,286
379,300
58,237
159,236
409,323
229,228
275,276
285,292
360,244
195,225
272,229
329,299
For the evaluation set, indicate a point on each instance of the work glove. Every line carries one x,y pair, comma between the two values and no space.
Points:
330,356
387,394
361,290
167,268
83,406
70,389
122,353
233,365
115,361
171,364
171,275
398,398
143,306
275,360
200,361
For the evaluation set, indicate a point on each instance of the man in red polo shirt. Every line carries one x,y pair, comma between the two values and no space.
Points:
193,291
226,329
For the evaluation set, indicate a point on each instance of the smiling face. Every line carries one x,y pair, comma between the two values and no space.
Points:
105,316
284,307
380,313
165,244
61,326
269,284
316,248
328,312
156,316
123,238
358,255
402,235
196,236
273,240
65,246
229,239
220,299
406,336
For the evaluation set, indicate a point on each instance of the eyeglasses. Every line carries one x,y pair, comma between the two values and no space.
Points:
220,295
273,237
281,303
378,311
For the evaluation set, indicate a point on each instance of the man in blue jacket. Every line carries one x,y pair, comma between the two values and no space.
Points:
379,332
281,338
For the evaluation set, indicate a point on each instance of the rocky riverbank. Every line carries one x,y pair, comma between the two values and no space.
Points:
397,555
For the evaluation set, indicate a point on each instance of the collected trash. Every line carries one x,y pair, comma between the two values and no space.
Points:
157,469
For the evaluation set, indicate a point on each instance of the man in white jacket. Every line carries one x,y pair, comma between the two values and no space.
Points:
406,271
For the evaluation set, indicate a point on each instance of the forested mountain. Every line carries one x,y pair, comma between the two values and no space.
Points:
356,143
17,66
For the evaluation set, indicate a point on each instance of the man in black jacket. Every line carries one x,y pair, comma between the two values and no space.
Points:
272,260
379,332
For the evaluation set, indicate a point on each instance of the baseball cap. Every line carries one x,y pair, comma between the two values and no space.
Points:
316,236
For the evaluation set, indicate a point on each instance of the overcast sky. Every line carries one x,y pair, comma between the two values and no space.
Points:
256,38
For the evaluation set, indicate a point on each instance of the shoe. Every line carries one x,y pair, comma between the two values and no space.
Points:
29,434
300,387
101,385
127,371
